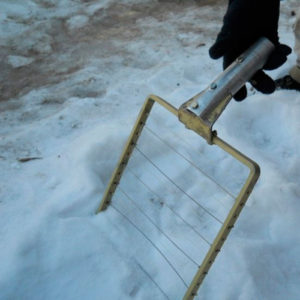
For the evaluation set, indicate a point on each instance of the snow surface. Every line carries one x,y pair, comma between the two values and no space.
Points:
74,77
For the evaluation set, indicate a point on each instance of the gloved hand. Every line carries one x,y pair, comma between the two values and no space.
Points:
244,23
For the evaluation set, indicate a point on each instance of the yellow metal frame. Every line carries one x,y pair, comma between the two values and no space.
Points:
131,142
192,122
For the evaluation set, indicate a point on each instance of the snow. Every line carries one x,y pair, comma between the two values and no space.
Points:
74,77
19,61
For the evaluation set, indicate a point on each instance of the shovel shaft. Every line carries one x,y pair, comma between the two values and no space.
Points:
210,103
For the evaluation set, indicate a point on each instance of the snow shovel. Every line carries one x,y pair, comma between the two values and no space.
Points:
199,115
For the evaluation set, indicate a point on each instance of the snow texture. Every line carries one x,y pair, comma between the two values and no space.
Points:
74,77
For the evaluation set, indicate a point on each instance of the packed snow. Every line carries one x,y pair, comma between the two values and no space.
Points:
74,75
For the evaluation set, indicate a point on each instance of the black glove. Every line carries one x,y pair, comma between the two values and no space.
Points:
244,23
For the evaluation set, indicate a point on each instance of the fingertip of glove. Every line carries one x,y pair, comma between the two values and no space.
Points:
270,88
215,52
275,61
219,48
285,49
263,83
278,57
240,95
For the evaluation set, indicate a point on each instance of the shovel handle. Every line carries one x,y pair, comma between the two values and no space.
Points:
210,103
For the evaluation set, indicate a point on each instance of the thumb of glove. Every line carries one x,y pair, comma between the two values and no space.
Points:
219,48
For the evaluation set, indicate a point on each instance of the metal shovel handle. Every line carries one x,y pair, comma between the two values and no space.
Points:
208,105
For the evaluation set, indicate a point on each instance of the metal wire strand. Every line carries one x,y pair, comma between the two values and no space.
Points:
178,187
151,278
169,207
157,227
189,161
152,243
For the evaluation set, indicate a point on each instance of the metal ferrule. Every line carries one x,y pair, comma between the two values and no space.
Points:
210,103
